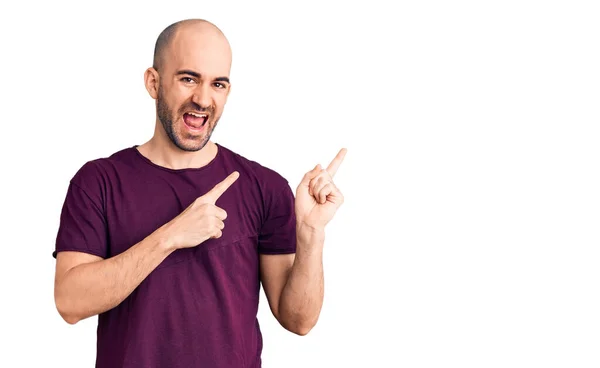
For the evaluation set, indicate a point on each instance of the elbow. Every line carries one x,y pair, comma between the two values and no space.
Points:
67,316
70,320
299,327
297,321
62,306
301,330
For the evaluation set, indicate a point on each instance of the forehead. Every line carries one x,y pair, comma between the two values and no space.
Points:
203,51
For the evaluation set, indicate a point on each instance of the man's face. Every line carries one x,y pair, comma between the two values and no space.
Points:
193,89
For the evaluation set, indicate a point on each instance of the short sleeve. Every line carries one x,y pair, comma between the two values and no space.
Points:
278,233
82,225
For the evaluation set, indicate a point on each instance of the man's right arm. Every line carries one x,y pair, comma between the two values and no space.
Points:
86,285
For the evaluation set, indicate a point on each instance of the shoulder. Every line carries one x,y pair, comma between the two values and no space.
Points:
93,175
265,177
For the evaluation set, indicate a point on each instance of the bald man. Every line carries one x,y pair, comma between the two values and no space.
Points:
169,242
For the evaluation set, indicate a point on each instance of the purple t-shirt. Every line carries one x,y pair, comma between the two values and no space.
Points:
199,307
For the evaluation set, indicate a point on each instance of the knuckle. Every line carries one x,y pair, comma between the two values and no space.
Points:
200,204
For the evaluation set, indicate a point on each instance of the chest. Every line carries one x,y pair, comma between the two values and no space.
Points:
137,209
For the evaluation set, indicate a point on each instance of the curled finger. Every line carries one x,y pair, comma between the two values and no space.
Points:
317,182
320,185
325,191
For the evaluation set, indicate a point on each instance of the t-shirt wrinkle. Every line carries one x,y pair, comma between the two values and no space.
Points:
92,201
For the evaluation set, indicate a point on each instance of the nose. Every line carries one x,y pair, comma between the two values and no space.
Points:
202,96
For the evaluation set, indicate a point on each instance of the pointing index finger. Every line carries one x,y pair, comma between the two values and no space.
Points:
221,187
337,161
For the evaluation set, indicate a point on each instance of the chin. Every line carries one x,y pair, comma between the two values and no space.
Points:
191,144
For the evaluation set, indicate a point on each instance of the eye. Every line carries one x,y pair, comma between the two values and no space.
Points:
187,80
220,85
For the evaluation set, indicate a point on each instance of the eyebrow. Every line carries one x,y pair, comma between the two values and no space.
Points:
197,75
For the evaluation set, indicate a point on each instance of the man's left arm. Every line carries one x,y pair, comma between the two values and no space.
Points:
294,283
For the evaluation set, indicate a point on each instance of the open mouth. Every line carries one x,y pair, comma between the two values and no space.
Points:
195,120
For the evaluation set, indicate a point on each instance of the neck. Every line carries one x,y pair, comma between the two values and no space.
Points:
161,151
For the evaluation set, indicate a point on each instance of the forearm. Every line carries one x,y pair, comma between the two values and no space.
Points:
93,288
302,297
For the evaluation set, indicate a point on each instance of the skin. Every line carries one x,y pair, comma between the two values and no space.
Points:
192,75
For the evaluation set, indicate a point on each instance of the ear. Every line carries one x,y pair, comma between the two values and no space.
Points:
228,91
151,81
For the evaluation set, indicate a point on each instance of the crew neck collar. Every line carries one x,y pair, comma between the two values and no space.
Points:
187,169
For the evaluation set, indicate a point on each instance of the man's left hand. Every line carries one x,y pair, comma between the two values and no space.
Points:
317,197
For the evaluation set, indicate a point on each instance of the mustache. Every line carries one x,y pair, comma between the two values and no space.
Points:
192,106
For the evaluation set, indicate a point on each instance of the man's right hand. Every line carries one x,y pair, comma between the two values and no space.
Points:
201,220
87,285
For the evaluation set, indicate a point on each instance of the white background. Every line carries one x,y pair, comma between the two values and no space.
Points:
469,236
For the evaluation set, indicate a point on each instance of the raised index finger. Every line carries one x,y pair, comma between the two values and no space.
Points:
220,188
337,161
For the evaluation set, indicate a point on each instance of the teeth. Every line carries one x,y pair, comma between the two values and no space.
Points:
197,115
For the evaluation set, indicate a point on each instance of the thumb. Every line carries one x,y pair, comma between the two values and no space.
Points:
311,174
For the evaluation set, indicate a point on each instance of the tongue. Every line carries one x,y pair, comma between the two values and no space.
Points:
193,121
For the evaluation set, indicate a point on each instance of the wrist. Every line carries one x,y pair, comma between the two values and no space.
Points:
308,233
308,228
164,240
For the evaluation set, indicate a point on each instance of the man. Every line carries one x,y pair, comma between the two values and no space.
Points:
168,242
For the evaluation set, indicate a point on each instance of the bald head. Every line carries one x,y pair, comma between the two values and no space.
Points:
190,76
201,30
